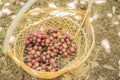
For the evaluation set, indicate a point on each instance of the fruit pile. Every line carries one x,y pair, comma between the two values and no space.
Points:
43,47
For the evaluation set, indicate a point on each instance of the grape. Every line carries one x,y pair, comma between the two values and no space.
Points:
59,43
43,37
38,59
48,52
63,50
30,40
48,48
29,64
36,64
52,54
73,45
31,36
38,52
51,38
33,41
43,70
47,61
36,55
29,53
39,48
33,52
27,42
60,36
65,54
38,40
62,40
48,56
43,58
54,65
34,38
39,36
68,51
43,66
33,61
29,48
53,70
60,47
31,56
34,67
37,44
72,49
67,40
44,53
52,60
60,52
64,45
52,48
47,41
56,46
54,35
29,59
35,47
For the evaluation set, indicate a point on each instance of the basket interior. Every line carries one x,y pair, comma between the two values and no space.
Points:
53,22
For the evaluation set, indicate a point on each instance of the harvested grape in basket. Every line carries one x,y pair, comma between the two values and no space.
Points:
42,48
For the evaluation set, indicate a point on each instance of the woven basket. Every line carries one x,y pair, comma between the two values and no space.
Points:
77,24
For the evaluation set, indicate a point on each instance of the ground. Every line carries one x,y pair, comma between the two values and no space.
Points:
103,64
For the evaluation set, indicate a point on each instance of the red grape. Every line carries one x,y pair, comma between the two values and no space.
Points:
27,42
54,65
34,38
52,60
38,59
54,35
65,54
36,55
47,41
48,52
64,45
62,40
43,66
29,64
33,51
72,49
35,47
48,56
63,50
36,64
51,38
53,70
38,40
56,46
31,56
52,54
29,59
33,61
39,47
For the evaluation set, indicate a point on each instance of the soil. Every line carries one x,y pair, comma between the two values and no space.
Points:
99,66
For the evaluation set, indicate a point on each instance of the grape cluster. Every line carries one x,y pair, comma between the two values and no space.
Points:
43,47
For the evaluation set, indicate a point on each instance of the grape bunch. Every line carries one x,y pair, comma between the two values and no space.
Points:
42,48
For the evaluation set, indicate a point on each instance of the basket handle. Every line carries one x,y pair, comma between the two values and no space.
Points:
15,21
87,14
20,13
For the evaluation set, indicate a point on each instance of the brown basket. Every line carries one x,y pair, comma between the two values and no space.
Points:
77,24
